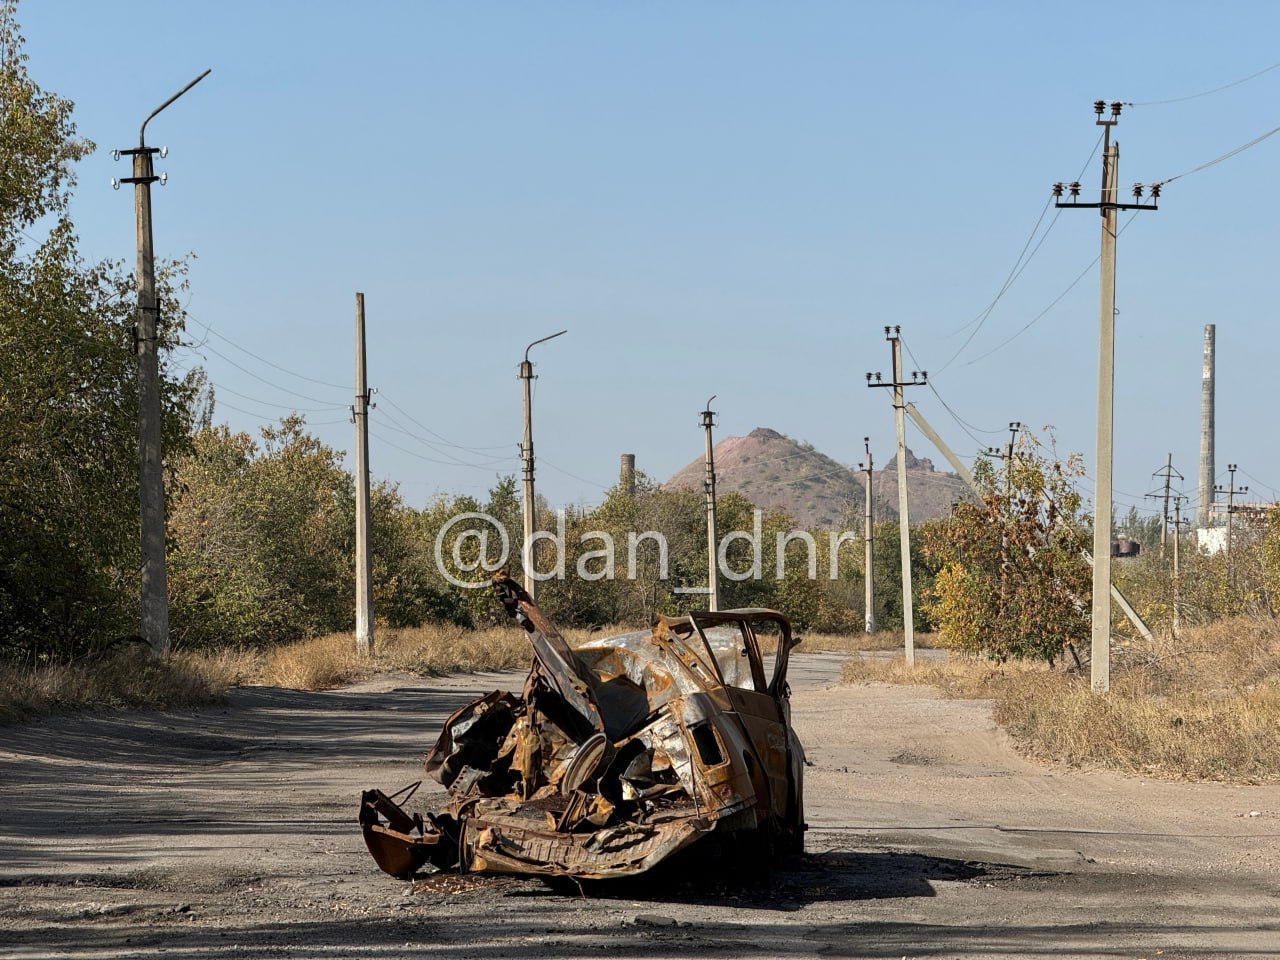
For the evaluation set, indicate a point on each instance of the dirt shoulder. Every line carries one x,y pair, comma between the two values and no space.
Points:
230,832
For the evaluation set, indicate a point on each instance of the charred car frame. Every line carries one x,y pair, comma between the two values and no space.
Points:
620,752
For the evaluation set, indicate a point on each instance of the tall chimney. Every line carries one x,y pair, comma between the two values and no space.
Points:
627,474
1204,514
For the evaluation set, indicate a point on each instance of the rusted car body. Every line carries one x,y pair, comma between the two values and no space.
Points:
618,754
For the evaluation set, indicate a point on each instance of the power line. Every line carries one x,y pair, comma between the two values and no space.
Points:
1056,300
1261,483
1204,93
244,369
492,461
301,376
1226,156
1019,266
964,424
287,406
414,453
274,419
442,440
546,462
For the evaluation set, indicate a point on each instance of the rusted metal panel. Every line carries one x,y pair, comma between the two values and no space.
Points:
617,754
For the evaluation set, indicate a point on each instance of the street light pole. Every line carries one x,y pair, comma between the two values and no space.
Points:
155,577
527,555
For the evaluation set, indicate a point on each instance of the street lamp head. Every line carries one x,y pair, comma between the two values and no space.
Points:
543,340
142,132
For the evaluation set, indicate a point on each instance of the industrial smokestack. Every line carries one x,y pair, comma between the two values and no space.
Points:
1204,514
627,474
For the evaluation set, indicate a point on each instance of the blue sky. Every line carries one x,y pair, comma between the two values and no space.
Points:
713,197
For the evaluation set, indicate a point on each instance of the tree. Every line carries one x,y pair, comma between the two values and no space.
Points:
1013,583
68,395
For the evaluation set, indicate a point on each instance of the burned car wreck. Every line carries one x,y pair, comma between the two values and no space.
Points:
620,753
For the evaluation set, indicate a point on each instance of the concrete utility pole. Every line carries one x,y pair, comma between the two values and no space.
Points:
1167,474
709,487
1230,490
364,567
528,556
868,533
918,379
1204,510
1100,662
1177,572
1006,454
155,574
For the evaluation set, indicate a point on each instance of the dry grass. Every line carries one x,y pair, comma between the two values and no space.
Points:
1205,707
125,678
436,649
958,676
331,661
857,642
1188,735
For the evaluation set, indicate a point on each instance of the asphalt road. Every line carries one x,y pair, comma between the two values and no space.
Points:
230,832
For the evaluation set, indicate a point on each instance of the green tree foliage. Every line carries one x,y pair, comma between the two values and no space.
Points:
262,543
68,398
1012,582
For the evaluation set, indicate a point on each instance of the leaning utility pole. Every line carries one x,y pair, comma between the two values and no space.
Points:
155,575
1100,663
1168,473
1230,490
918,378
709,488
528,556
868,532
364,568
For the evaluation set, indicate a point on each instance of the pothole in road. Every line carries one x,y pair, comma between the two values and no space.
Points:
915,759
